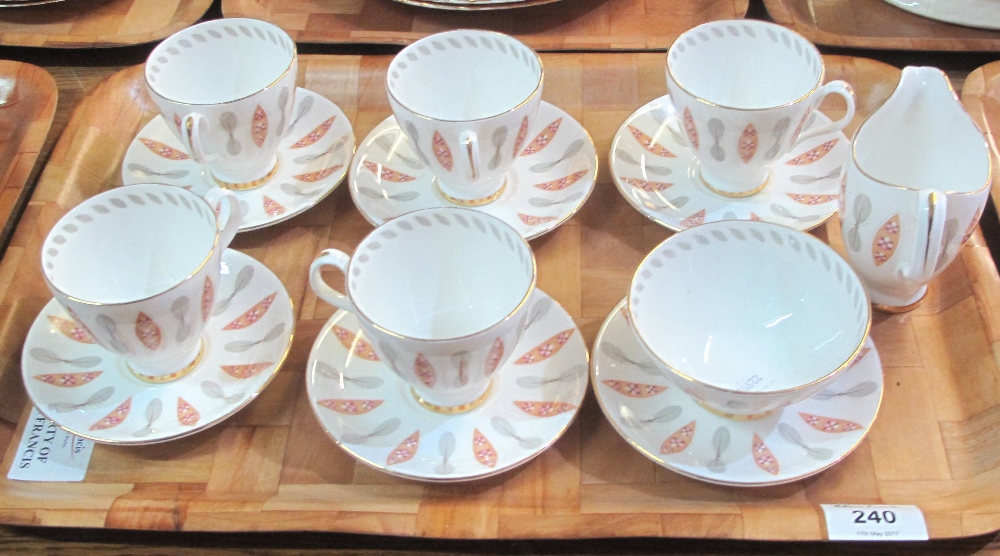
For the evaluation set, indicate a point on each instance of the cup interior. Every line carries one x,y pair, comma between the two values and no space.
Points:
726,302
129,243
441,274
745,64
464,75
219,61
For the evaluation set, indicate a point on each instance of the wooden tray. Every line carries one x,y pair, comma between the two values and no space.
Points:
981,96
564,25
876,24
24,125
272,468
95,23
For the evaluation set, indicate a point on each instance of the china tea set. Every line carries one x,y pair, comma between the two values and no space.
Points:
740,355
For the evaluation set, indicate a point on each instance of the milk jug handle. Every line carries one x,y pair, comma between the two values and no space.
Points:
837,87
932,211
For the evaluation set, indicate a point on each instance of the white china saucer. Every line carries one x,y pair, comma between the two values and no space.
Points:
663,186
312,161
545,187
373,415
669,427
984,14
91,392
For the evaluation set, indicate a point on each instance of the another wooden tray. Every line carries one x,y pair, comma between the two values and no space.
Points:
564,25
95,23
24,125
981,96
876,24
271,467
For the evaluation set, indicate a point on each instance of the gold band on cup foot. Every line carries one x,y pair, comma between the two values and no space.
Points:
248,185
734,416
731,194
894,309
163,379
454,409
468,203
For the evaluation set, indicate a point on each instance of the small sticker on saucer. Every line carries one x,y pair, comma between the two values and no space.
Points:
671,428
374,416
549,181
655,169
92,393
312,160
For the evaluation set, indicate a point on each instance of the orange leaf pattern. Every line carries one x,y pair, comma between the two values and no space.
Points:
754,217
811,199
186,413
424,371
813,155
494,357
177,122
387,173
147,331
546,349
442,152
253,314
207,299
114,418
314,135
350,407
696,219
71,330
483,449
272,207
562,183
522,135
634,389
544,409
802,124
313,177
245,371
680,440
160,149
763,457
690,129
259,127
405,451
68,380
535,220
886,241
829,424
651,186
647,143
361,348
543,139
748,143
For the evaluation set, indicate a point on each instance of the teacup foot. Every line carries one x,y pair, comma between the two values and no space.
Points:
453,409
170,377
730,191
889,304
735,416
470,203
248,184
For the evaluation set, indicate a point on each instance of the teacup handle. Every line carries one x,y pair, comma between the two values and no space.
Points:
471,142
339,260
837,87
191,137
932,211
231,218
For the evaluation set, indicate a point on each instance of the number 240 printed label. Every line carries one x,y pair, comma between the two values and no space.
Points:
850,522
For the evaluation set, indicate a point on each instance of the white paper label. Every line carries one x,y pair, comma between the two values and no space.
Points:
48,453
860,522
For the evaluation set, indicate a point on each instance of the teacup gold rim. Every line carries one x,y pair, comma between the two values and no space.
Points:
212,23
249,398
520,305
181,282
986,147
760,393
534,93
327,329
698,98
667,465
